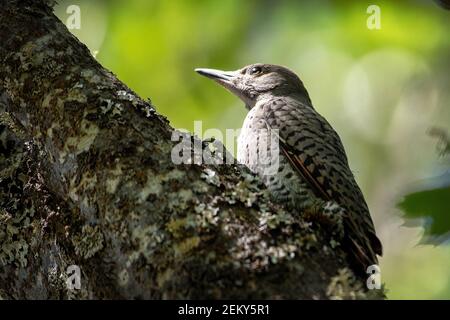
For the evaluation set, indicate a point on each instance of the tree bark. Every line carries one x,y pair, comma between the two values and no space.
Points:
87,179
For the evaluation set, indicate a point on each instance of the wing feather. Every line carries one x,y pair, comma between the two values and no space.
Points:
316,152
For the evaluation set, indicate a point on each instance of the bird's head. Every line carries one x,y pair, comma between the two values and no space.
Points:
258,80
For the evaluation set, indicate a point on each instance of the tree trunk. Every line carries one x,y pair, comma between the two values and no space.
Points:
87,179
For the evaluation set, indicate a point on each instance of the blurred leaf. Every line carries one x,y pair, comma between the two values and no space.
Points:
443,137
443,3
434,206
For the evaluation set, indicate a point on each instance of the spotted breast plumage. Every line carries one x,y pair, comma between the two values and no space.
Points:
308,160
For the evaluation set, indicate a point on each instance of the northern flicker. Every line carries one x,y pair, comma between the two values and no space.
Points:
311,160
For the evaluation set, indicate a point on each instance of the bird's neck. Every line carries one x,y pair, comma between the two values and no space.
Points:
302,97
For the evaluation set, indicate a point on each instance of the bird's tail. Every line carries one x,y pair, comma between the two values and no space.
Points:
363,248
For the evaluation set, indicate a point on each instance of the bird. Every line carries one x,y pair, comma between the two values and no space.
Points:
306,162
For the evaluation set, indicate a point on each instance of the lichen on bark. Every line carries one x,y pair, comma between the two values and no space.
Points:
91,183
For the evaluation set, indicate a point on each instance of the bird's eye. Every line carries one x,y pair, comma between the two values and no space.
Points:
255,70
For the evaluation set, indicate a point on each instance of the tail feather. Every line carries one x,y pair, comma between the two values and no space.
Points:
363,245
375,243
360,257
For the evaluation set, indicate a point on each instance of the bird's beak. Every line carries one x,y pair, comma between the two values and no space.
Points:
225,78
231,80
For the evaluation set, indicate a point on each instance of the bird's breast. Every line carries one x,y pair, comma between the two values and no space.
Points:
259,149
253,140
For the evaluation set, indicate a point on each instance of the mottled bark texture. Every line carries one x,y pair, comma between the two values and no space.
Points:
87,179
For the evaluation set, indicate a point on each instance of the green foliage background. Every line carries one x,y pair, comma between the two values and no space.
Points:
381,89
